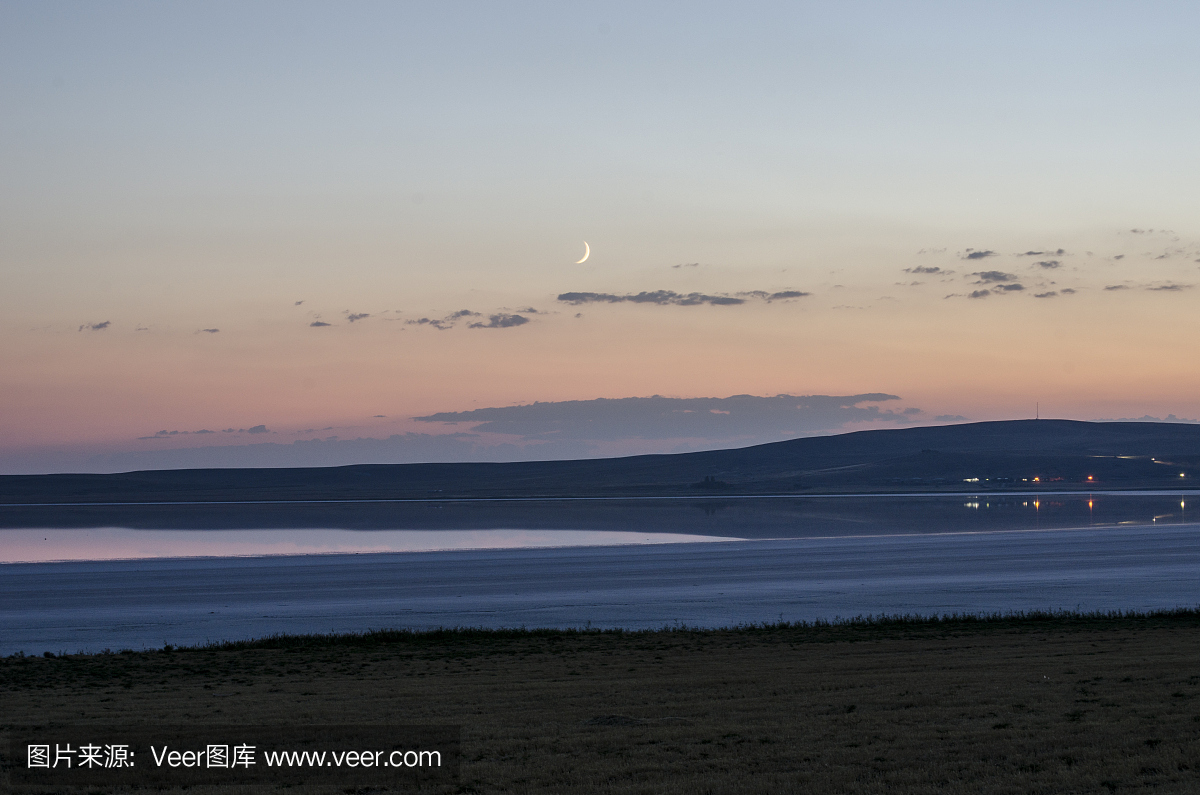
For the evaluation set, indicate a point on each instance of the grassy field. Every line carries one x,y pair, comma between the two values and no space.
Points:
1035,704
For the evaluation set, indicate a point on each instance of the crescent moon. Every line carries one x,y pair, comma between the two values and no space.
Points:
587,252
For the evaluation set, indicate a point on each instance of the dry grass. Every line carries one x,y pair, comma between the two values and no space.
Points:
1017,706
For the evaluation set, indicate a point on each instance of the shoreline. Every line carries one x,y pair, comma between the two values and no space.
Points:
1130,492
855,628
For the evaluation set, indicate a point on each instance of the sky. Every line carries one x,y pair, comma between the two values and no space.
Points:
300,234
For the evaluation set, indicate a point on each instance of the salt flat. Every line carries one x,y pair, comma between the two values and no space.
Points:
147,603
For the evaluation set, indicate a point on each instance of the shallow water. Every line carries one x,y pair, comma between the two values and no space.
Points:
801,560
46,545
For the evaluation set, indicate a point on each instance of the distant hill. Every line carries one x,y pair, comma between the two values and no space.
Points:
1018,454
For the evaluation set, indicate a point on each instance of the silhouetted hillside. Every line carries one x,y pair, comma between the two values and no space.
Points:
1019,454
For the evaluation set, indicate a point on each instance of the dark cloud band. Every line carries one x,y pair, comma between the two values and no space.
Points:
991,277
672,298
740,416
501,321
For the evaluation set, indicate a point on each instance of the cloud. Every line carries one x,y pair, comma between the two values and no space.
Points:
164,434
1050,294
1148,418
1048,264
447,322
297,303
672,298
255,429
1055,253
357,316
96,326
973,254
1169,287
930,269
991,277
782,295
1068,291
687,265
740,417
208,331
659,297
169,434
319,324
950,418
501,321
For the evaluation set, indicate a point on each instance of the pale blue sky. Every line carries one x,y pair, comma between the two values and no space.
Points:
195,114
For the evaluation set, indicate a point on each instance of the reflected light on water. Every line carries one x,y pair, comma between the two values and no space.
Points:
119,543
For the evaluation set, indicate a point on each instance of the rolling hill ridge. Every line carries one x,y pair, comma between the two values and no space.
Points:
1007,455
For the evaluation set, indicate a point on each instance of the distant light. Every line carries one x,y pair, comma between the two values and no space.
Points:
1089,505
1090,477
970,480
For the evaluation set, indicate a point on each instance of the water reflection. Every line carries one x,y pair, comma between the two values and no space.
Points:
123,543
145,531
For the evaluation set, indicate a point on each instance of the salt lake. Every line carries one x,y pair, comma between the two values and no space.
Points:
121,576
